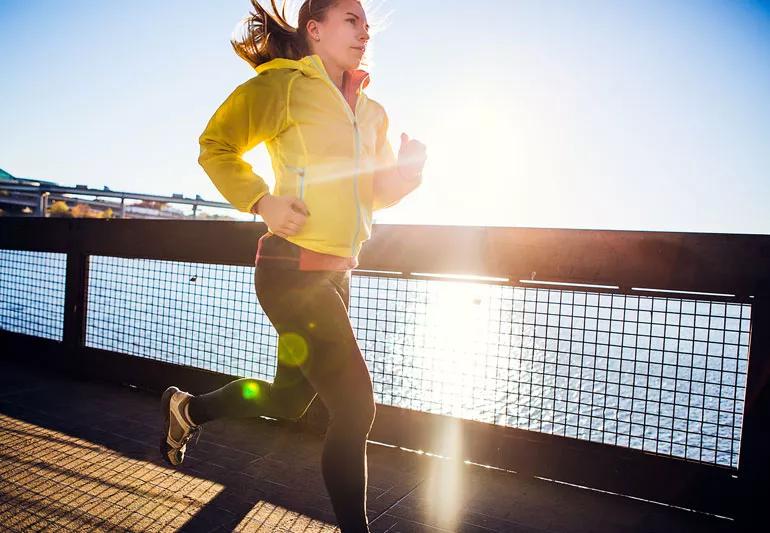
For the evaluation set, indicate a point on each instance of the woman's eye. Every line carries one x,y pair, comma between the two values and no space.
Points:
352,20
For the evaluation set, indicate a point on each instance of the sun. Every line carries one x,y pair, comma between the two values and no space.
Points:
477,162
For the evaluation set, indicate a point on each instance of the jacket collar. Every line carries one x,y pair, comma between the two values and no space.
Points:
354,80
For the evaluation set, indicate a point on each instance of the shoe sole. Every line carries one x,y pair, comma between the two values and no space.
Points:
165,402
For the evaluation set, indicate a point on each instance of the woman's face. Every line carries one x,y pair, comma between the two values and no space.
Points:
343,36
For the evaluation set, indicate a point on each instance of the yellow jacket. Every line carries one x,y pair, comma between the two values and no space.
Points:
321,151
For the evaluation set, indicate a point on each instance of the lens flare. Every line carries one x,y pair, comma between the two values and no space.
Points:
292,349
448,477
251,390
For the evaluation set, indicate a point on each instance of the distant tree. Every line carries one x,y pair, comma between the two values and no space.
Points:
80,210
59,209
107,213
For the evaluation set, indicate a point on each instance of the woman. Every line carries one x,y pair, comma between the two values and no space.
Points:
333,166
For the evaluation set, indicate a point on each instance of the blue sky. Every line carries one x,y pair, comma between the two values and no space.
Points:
639,115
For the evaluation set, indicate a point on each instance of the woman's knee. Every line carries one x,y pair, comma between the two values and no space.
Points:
371,415
363,401
357,412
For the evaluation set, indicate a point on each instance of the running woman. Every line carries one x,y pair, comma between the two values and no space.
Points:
333,167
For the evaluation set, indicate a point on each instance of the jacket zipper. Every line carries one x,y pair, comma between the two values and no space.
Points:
355,184
353,117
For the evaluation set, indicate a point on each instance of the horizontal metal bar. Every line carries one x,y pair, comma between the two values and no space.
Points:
693,262
85,191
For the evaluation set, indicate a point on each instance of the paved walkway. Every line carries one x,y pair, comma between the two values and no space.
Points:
82,456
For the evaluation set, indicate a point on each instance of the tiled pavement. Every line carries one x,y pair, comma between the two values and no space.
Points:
82,456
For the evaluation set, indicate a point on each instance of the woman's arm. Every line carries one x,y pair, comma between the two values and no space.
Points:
254,112
395,179
391,186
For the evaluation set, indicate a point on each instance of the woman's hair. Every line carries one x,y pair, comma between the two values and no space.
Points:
266,36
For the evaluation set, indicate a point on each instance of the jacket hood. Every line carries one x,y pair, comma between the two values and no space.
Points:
312,66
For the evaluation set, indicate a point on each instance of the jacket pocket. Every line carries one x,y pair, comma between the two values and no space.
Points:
299,180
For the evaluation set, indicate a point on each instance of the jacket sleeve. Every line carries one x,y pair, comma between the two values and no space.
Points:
254,112
386,168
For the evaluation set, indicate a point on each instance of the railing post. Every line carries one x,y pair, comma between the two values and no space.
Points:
754,465
43,207
75,311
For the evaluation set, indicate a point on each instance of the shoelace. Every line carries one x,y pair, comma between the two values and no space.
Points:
194,431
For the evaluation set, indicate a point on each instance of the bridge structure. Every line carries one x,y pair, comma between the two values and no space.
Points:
32,197
626,362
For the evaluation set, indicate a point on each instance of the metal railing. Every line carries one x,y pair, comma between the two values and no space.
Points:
41,195
634,362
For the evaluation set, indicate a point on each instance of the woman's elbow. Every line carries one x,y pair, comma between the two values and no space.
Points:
211,149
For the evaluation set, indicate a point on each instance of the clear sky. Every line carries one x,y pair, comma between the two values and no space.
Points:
640,115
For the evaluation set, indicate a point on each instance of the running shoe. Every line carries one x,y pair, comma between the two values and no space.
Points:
177,428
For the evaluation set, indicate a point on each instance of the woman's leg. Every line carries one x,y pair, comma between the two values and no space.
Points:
288,397
317,353
310,312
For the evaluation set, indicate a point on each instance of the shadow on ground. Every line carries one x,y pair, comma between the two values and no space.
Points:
81,455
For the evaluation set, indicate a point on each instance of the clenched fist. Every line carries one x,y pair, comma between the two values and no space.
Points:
284,215
411,157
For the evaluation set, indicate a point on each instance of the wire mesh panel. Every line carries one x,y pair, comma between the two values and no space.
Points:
199,315
666,375
662,374
32,292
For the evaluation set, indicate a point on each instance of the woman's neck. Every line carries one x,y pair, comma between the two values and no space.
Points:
335,72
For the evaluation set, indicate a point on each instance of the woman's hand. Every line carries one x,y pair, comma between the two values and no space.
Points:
284,215
411,158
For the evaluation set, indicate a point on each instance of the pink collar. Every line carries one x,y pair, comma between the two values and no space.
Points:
353,82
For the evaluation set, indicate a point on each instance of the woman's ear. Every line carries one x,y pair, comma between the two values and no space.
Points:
312,30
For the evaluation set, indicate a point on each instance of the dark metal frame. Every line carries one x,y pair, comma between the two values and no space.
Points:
737,266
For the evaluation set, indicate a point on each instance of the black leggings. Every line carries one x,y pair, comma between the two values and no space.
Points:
317,355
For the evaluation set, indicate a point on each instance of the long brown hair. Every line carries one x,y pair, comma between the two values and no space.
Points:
266,36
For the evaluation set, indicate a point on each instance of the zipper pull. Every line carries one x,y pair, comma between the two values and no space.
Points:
297,170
